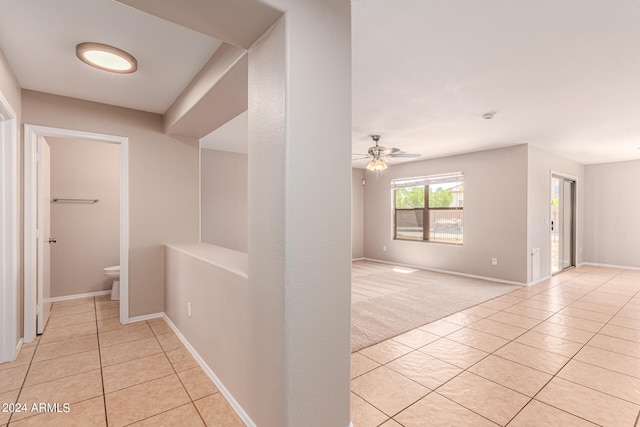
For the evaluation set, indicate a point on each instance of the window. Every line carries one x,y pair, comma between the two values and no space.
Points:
436,201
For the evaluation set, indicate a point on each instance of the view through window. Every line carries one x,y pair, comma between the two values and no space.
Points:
437,201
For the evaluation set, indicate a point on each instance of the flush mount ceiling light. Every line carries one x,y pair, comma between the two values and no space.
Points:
107,58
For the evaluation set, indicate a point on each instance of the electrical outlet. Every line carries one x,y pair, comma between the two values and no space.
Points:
384,248
494,261
189,309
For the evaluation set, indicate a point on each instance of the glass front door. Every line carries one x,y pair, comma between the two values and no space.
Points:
562,224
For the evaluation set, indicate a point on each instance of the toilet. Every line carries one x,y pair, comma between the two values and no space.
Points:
113,273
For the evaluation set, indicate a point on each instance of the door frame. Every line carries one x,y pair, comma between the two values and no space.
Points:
31,135
9,284
574,233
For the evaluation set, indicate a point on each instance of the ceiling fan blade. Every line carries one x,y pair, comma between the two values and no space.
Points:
388,151
360,158
407,155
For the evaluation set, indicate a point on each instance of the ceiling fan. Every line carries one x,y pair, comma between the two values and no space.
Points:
379,155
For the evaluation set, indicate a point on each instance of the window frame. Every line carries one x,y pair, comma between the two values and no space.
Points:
426,183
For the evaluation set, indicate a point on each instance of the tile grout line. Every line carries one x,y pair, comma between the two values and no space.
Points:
437,358
563,366
104,394
30,364
601,367
176,373
512,340
550,379
24,380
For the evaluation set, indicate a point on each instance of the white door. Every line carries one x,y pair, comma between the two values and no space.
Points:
44,236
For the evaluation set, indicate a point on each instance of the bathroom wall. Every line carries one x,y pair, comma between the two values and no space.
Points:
84,169
224,199
163,184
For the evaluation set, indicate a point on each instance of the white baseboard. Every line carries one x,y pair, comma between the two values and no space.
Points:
19,346
78,296
358,259
145,317
622,267
455,273
542,279
223,390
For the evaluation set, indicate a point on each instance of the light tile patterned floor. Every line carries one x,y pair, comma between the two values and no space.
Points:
564,352
139,374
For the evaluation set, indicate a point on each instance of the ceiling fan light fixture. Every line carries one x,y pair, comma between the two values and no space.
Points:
106,58
377,165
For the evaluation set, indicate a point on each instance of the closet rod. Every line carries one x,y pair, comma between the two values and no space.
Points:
76,200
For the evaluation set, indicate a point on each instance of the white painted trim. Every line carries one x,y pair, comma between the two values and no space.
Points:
31,134
30,233
9,284
542,279
40,182
623,267
576,202
124,230
223,390
455,273
19,346
200,191
357,259
146,317
77,296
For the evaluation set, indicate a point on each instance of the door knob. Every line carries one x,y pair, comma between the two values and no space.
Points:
52,240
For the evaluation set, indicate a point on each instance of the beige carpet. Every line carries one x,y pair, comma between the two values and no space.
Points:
386,303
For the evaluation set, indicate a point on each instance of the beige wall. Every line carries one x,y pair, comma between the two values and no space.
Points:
218,299
299,218
91,170
163,184
612,203
10,89
9,85
357,214
223,199
541,165
495,215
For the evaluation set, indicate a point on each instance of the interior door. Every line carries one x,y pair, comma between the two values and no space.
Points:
562,224
44,235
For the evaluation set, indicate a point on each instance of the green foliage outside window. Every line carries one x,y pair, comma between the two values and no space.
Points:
413,197
440,198
410,197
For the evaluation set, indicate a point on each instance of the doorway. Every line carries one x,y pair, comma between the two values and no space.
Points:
33,245
563,223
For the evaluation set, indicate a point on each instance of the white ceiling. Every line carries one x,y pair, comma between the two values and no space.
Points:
560,75
39,39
